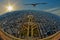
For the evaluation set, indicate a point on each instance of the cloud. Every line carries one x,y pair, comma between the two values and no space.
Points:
57,12
51,10
54,11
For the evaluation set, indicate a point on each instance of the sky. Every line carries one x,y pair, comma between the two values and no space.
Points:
53,6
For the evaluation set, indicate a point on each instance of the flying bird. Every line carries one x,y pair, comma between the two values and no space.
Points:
35,4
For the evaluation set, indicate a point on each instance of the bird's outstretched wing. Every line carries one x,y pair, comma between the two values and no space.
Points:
31,4
27,4
41,3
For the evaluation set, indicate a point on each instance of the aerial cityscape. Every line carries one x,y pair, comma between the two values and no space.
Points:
29,19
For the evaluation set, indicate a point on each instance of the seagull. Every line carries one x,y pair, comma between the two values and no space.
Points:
35,4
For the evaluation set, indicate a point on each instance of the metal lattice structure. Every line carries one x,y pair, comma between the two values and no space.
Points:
29,28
